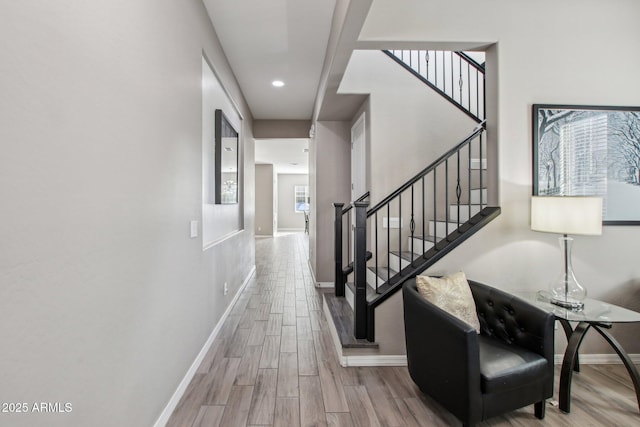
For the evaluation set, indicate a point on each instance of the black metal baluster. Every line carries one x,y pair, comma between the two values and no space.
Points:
349,231
458,189
452,73
469,179
435,67
424,213
388,240
377,264
469,86
399,227
435,204
412,227
481,203
460,83
426,57
446,197
478,95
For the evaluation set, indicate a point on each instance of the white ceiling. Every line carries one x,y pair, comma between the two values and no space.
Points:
266,40
286,155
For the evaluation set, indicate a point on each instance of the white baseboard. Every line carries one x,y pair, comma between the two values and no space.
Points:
288,230
375,360
324,284
182,387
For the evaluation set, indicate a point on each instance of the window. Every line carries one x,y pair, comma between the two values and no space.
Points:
301,197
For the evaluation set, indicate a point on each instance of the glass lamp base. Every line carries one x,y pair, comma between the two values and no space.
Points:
573,305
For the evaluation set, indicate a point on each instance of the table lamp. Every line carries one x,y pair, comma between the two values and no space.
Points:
567,215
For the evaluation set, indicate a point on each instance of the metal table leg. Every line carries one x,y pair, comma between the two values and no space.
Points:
568,330
631,368
568,364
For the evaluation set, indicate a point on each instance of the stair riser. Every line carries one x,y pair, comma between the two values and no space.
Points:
475,164
417,246
372,277
464,212
475,196
441,229
396,263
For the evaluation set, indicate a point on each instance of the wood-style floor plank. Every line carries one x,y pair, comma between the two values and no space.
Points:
264,398
311,404
287,412
274,364
237,409
209,416
288,375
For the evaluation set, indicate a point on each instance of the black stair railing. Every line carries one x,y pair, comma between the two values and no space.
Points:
410,223
454,75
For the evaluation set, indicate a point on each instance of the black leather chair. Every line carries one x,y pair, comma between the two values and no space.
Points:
478,376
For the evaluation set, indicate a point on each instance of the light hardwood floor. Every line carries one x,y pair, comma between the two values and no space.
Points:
274,364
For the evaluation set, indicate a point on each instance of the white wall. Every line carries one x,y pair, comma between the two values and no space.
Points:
572,52
105,300
288,218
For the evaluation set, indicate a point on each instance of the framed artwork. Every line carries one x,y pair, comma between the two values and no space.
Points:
589,151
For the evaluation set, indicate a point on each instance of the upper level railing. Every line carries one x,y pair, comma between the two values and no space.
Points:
434,204
454,75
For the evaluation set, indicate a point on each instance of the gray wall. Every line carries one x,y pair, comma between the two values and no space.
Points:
105,300
580,58
264,200
329,178
281,128
288,219
408,125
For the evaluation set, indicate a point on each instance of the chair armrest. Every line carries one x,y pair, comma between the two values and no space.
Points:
442,353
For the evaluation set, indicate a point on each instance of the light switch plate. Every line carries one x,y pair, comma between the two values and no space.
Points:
194,228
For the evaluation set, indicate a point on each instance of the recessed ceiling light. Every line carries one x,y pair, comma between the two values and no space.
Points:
277,83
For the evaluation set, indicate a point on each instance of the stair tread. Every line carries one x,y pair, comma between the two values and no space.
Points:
431,239
406,255
383,272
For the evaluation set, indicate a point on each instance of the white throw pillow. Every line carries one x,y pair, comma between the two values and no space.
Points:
452,294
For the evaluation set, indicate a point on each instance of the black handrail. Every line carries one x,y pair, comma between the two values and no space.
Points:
359,199
477,131
471,61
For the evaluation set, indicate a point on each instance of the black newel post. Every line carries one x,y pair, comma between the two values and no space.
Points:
360,270
337,250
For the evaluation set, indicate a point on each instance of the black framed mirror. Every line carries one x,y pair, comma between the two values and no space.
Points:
226,161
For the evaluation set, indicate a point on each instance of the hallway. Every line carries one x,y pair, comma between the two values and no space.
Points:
274,364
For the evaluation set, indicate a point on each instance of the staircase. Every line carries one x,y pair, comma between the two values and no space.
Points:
379,248
406,233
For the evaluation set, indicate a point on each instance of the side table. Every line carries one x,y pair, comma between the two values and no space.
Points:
598,315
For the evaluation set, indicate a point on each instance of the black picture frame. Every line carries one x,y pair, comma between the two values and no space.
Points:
226,160
589,151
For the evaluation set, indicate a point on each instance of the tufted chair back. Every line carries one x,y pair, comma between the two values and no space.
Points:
500,319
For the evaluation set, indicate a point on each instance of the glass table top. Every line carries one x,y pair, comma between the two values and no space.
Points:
594,310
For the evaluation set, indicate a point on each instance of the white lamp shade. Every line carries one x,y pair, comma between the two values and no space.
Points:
567,214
